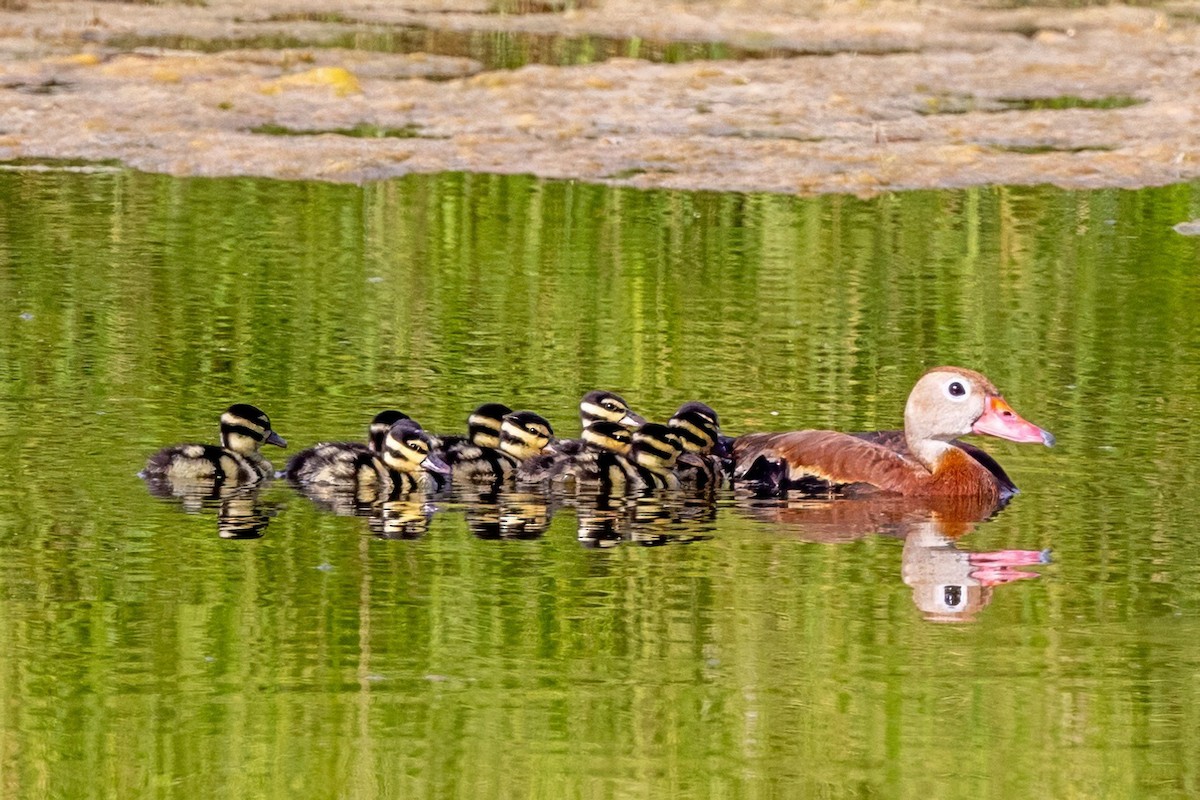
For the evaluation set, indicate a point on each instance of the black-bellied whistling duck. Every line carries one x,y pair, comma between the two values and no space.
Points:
946,402
894,440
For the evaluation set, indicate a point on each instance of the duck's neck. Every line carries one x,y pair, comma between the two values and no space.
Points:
930,452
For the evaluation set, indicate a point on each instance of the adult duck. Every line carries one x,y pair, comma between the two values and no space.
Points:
945,403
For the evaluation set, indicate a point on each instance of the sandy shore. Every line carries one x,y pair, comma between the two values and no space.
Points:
864,97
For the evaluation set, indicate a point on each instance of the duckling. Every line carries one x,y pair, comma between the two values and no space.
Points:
699,430
655,453
600,463
601,405
477,457
409,461
525,435
483,428
344,464
236,462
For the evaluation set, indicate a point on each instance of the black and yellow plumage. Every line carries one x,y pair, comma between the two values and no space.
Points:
235,462
600,405
525,435
410,461
656,452
344,465
699,430
597,461
477,457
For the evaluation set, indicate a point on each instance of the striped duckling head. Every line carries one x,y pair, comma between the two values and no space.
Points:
383,422
601,405
245,428
524,434
611,436
408,449
698,426
656,448
483,426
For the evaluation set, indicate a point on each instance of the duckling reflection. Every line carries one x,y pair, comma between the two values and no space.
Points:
524,515
656,520
603,519
481,509
404,518
606,519
242,515
240,510
948,584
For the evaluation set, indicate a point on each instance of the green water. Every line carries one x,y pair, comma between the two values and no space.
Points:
143,655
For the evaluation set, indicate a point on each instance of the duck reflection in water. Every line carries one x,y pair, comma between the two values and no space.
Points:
949,584
496,513
406,517
240,510
952,585
649,519
400,515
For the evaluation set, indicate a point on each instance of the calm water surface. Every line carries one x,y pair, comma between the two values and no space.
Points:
505,647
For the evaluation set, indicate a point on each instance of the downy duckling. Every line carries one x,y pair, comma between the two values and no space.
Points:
655,453
525,435
409,461
601,405
699,430
478,457
600,463
344,464
236,462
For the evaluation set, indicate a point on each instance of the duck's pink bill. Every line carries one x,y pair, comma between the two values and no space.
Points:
1000,420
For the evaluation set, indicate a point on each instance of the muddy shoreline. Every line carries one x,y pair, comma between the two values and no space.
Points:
763,96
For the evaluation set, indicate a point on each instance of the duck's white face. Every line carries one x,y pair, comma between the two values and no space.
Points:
950,401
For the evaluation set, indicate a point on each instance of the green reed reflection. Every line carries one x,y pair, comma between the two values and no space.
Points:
145,655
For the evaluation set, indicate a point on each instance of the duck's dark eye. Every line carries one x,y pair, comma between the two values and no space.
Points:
957,389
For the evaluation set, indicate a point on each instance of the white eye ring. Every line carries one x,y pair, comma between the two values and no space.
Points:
957,389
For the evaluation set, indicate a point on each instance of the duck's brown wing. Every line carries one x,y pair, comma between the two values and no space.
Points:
894,440
822,460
